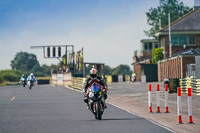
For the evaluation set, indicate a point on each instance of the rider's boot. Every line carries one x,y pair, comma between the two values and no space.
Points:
87,106
105,106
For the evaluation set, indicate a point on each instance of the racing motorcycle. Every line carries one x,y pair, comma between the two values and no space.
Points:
96,101
23,82
30,84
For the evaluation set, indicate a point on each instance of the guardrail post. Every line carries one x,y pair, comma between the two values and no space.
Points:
179,111
158,98
150,99
189,106
166,99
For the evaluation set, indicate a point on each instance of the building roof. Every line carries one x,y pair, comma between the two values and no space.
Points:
191,51
189,22
149,40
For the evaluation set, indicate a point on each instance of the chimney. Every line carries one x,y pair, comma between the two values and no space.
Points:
196,4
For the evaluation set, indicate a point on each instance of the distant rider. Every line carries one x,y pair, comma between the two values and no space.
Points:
94,79
31,77
23,78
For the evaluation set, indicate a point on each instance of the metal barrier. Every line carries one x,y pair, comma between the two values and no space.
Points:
184,84
192,83
108,79
77,83
196,86
61,79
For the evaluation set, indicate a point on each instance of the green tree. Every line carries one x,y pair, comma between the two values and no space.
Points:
108,70
24,62
157,55
122,70
174,7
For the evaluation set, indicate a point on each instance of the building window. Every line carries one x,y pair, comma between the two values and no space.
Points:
162,42
145,46
174,40
156,46
191,40
150,45
180,40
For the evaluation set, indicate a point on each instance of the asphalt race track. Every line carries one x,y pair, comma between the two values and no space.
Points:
49,109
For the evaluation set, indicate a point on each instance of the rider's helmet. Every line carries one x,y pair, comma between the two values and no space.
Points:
22,75
93,73
31,74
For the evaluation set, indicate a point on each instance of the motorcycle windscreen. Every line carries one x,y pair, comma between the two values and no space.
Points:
94,88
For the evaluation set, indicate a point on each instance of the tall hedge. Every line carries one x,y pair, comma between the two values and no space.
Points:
157,54
10,75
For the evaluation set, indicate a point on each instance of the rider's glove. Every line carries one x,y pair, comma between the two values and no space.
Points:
85,94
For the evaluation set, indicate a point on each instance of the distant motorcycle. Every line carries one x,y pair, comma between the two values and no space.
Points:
23,82
96,101
31,83
31,80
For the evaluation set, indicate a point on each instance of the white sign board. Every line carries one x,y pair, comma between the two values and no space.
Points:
120,78
60,78
143,79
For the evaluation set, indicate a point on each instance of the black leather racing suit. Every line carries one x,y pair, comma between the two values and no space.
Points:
98,81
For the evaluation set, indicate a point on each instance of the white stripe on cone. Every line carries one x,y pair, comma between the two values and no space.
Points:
149,98
158,98
150,101
189,106
179,111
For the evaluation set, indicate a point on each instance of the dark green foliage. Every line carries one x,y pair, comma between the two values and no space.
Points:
24,62
1,79
157,55
121,70
10,75
108,70
176,9
28,63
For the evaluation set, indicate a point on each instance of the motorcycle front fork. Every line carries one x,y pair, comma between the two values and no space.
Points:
101,106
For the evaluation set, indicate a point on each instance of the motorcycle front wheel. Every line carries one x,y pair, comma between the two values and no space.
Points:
31,83
98,111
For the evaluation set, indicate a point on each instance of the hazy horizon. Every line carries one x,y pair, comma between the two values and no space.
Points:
108,30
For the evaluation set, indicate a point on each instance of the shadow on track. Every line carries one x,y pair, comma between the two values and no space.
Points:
114,119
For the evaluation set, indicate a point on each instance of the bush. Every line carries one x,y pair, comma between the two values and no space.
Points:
10,75
157,55
1,79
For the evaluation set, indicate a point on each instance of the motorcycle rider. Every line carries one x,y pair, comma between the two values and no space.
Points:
31,77
94,79
22,78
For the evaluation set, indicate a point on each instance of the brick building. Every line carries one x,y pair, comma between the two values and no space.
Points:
174,67
147,45
185,39
185,34
137,68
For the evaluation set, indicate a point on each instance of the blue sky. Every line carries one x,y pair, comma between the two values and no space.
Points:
108,30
